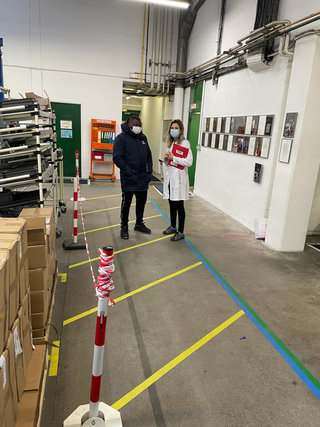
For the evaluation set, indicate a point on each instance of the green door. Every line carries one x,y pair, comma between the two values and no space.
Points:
194,125
68,123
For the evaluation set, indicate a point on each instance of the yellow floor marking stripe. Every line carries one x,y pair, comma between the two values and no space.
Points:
80,316
63,277
108,209
165,369
117,225
54,360
130,294
103,197
121,250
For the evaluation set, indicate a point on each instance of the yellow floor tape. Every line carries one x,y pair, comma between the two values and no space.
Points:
121,250
103,197
165,369
63,277
130,294
54,360
116,225
108,209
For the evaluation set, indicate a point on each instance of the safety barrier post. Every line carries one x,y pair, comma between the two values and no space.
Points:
75,243
97,413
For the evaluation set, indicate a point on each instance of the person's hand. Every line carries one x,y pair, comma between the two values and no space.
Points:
169,156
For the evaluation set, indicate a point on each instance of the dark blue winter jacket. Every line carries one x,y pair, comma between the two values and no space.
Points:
132,155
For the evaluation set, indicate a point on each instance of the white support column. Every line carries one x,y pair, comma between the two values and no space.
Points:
294,183
178,103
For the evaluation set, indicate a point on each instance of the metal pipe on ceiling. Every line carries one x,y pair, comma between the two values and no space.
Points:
160,49
154,35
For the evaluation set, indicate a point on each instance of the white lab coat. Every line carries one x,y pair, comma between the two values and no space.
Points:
178,179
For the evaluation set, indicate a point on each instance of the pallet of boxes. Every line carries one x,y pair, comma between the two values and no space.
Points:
22,364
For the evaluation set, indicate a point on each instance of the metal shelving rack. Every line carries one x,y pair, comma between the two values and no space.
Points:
37,141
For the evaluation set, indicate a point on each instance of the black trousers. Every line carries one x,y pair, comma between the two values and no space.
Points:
141,199
177,206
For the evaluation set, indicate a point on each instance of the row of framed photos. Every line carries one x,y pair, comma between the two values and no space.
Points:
241,125
253,146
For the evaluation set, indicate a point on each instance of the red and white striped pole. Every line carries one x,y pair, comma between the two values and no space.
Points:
77,165
75,210
104,287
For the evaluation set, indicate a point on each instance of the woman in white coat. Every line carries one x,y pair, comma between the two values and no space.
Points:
176,178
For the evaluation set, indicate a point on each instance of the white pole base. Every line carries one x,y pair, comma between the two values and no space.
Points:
112,417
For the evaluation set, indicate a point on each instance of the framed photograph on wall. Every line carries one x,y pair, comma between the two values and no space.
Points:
252,142
285,150
215,121
230,142
240,124
210,140
203,139
268,127
246,141
228,121
207,124
225,142
258,148
265,147
219,124
232,124
206,140
290,125
254,125
262,125
221,141
223,124
248,125
216,142
211,125
238,144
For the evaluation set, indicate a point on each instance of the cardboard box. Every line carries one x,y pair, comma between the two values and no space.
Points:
36,368
25,317
39,321
38,279
42,214
23,278
4,297
16,226
18,352
12,292
10,242
8,410
39,301
28,409
29,404
36,231
38,257
12,370
44,103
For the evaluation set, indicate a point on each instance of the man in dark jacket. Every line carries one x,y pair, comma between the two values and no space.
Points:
133,157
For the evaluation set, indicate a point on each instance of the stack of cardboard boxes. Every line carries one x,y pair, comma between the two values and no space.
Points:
15,317
27,271
42,264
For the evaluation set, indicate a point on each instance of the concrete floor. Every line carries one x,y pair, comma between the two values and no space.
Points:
238,378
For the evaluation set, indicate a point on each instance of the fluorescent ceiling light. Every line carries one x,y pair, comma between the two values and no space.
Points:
171,3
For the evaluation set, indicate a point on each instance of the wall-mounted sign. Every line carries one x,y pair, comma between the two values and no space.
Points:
193,106
65,124
285,150
257,172
66,133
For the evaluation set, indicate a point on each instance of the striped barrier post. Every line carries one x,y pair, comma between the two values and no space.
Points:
98,413
75,210
104,287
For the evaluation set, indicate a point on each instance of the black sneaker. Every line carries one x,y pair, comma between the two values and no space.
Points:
124,233
141,227
170,230
177,236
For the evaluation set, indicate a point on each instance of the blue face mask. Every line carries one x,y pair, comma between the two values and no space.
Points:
174,133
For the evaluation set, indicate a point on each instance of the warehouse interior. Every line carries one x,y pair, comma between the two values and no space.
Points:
220,328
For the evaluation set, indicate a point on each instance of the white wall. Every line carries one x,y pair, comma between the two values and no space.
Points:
314,222
151,117
226,179
78,51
